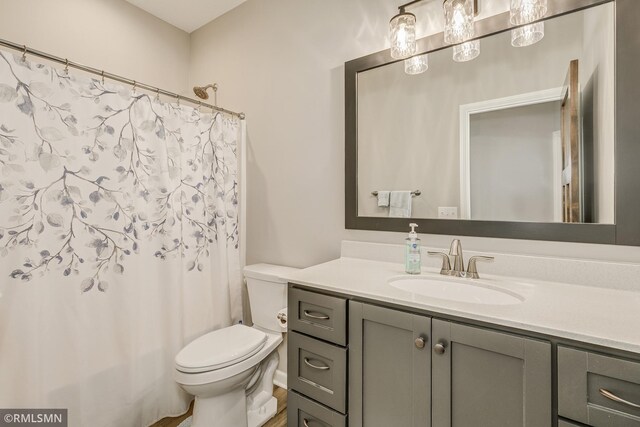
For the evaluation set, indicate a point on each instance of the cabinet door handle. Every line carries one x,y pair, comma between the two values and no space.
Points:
420,342
318,316
611,396
439,348
311,365
305,422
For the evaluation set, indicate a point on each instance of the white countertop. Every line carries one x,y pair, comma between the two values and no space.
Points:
600,316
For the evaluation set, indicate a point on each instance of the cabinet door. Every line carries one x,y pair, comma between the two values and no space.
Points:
489,379
389,368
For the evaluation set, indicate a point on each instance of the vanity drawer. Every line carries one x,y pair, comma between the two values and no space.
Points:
318,315
302,412
591,387
318,370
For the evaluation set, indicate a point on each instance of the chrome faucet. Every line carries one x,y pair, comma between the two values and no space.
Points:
456,257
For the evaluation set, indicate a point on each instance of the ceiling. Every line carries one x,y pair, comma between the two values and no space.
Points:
188,15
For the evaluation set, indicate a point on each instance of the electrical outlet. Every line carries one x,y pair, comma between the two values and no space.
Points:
448,212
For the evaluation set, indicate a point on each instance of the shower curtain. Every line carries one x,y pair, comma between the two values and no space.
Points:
118,243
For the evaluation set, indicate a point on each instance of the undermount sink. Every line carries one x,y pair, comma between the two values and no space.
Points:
456,289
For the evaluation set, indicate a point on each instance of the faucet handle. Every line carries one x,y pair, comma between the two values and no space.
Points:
446,265
472,269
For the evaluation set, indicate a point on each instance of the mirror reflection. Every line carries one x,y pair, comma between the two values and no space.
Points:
516,134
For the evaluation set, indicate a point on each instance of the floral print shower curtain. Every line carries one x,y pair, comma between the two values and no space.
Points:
118,242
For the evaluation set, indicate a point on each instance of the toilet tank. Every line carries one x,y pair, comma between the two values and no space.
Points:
267,290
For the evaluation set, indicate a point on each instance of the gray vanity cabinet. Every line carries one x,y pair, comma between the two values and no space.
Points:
389,367
487,378
598,390
411,370
317,360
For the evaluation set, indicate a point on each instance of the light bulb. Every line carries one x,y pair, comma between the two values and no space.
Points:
402,32
459,25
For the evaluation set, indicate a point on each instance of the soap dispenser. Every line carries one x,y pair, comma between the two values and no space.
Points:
412,252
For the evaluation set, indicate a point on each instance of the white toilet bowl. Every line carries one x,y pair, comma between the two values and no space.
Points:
230,371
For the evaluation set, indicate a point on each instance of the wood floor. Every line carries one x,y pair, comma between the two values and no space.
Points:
280,420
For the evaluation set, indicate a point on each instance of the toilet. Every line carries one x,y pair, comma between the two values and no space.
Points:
230,371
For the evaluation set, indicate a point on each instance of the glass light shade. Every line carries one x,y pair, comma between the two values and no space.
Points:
458,26
526,11
466,51
527,35
417,64
402,32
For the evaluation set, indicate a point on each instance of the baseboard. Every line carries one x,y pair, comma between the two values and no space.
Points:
280,379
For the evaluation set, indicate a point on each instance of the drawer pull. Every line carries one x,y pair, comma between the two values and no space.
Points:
611,396
318,316
311,365
305,422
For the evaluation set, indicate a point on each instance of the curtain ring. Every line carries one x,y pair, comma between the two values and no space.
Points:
199,106
134,86
66,66
178,99
24,52
158,94
102,74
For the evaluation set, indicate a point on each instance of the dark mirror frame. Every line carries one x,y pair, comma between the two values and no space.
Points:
626,230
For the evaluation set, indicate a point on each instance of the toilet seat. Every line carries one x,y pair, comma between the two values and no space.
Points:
272,342
219,349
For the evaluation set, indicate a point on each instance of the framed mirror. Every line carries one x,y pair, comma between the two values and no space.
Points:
534,142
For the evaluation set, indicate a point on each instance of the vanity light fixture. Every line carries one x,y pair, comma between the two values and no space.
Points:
466,51
416,64
402,33
459,20
525,12
527,35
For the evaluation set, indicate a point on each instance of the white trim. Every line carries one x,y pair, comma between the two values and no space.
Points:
466,110
557,176
280,379
242,188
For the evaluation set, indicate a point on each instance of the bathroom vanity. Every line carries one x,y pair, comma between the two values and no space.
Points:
559,345
363,352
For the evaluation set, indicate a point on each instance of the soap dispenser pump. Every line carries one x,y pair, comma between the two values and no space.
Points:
412,252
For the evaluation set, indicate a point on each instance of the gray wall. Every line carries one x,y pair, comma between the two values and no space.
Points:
106,34
512,172
281,62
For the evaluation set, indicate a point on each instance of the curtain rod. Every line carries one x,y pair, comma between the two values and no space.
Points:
27,50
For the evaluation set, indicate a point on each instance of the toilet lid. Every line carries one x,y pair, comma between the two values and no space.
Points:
220,348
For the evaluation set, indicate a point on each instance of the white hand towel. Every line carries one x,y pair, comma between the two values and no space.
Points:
400,204
383,198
